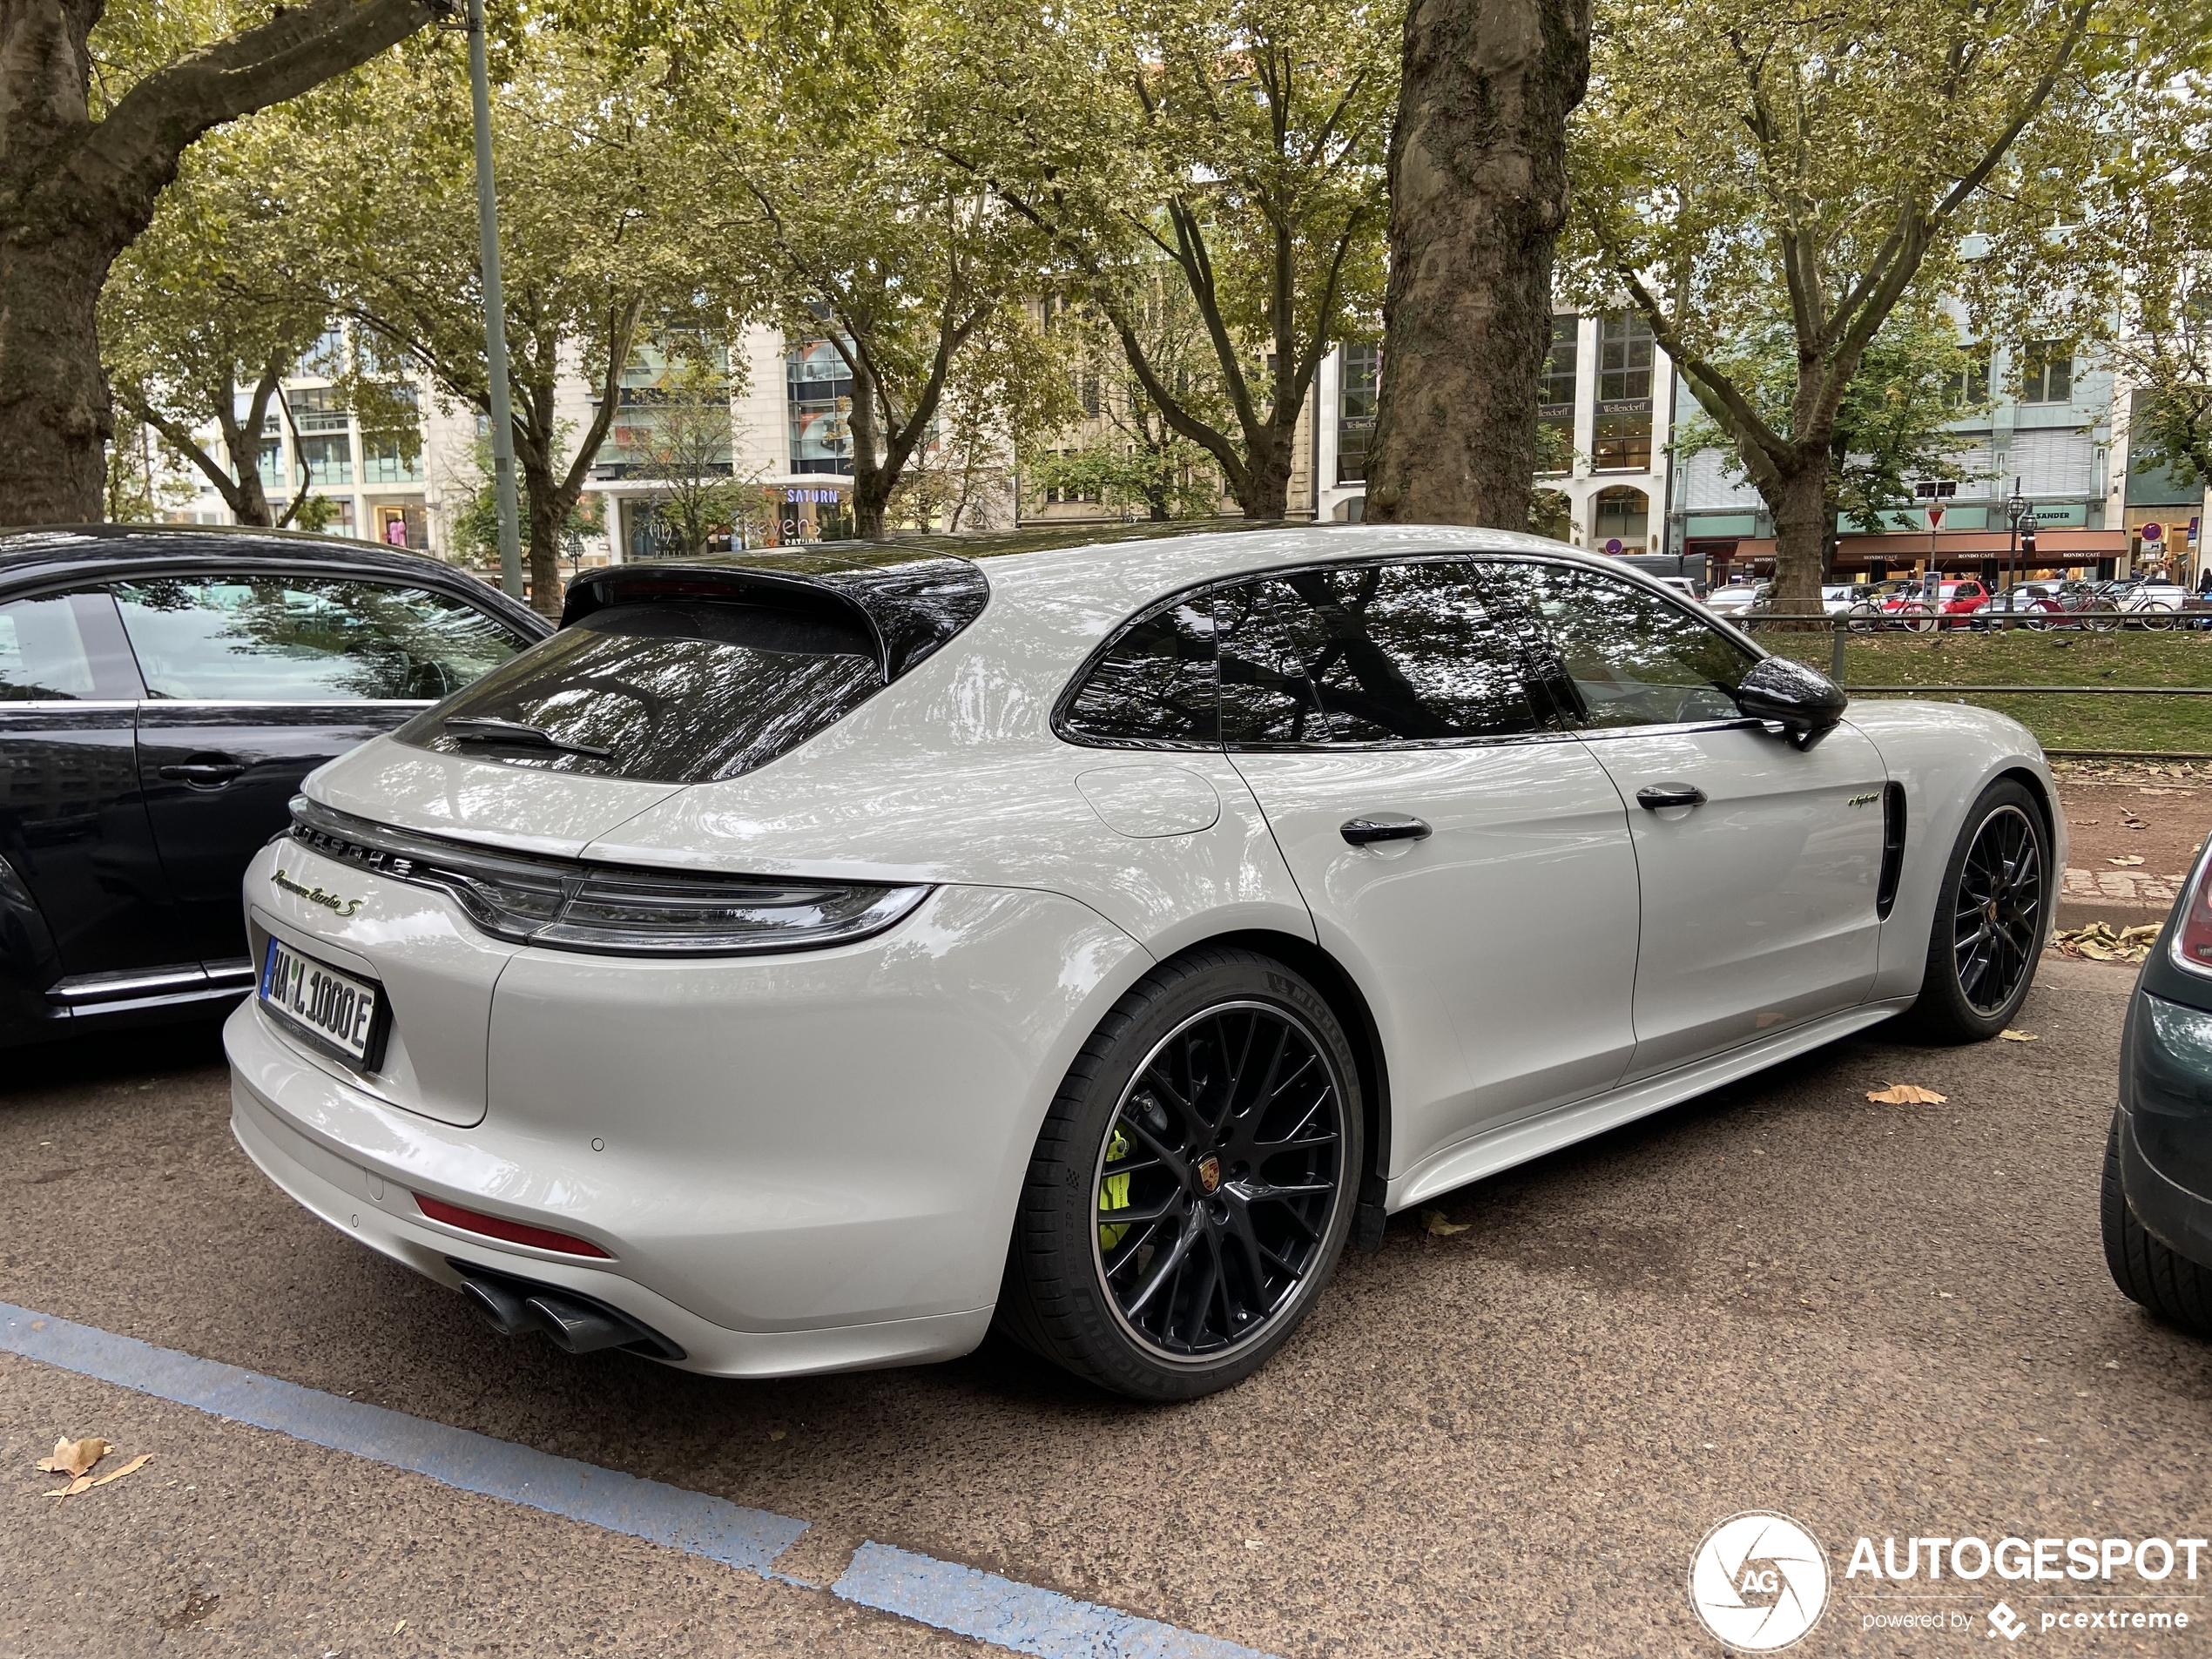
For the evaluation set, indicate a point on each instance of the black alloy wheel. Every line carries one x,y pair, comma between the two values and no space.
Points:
1193,1182
1217,1178
1997,912
1993,911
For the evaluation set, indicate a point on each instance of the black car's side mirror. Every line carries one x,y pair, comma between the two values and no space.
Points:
1802,701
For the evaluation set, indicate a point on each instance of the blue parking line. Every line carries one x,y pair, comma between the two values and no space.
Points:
1021,1618
1009,1615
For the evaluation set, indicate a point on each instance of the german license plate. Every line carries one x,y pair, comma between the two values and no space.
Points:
336,1011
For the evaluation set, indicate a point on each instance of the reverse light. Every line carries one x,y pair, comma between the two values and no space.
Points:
570,905
514,1232
2192,946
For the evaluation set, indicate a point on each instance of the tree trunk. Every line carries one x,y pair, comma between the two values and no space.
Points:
55,412
871,485
1803,518
1266,493
1478,193
546,505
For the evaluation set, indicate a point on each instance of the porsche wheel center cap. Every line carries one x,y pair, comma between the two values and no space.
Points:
1210,1172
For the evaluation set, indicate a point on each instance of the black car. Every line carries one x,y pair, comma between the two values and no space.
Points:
163,691
2157,1208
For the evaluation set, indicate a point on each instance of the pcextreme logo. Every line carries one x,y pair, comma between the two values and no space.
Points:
1759,1582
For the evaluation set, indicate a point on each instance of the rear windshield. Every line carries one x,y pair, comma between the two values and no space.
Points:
664,692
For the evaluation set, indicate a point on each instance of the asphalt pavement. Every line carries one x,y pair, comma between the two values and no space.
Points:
1505,1433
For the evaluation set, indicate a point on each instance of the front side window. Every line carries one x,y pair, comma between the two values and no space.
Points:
1635,657
667,693
305,639
1154,685
1365,655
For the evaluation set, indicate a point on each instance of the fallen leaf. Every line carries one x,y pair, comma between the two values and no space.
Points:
401,1626
2010,1036
775,1435
2132,858
74,1457
132,1466
1436,1222
86,1482
1906,1094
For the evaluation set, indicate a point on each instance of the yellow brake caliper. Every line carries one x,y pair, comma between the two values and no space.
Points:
1113,1192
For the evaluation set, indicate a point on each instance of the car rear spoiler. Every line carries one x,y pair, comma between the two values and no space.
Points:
910,603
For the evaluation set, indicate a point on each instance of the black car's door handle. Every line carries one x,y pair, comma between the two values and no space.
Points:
1384,826
204,775
1656,798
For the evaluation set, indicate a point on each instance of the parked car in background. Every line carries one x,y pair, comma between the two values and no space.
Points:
734,977
2151,604
163,691
2157,1188
1926,606
1736,598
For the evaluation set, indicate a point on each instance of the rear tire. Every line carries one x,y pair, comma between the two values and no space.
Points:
1217,1106
1991,911
2168,1286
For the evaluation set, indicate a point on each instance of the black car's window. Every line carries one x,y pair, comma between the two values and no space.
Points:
1154,685
62,649
1635,657
1373,654
305,639
666,693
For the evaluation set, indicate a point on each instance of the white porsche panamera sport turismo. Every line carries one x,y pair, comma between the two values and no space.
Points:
802,961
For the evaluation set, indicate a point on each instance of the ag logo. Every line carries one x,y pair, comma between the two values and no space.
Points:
1759,1582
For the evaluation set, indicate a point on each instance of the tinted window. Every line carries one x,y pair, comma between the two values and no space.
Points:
1372,654
1154,685
61,649
670,693
1635,657
305,639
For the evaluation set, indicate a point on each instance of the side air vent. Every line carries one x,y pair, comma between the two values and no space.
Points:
1893,849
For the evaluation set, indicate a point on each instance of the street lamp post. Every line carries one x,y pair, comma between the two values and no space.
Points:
502,412
2015,507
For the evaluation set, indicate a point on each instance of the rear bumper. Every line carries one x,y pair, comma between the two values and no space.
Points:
794,1164
381,1214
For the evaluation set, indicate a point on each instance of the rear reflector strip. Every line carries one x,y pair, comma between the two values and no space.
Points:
514,1232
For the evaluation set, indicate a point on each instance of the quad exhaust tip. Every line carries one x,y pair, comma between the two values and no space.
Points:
576,1324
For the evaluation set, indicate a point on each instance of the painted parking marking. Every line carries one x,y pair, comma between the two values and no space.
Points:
1004,1613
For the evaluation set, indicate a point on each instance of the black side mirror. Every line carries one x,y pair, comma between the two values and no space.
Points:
1802,701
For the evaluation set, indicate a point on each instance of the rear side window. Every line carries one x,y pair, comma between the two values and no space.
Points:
1154,685
1373,654
666,693
305,639
61,649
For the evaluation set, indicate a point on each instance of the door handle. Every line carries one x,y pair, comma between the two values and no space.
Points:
204,775
1366,830
1656,798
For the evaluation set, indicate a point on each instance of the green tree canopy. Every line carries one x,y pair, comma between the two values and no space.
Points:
1740,166
1235,152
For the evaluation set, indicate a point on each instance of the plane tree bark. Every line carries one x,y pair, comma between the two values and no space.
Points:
77,188
1478,196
